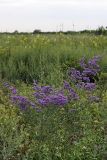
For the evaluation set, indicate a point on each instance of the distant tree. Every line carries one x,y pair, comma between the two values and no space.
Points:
101,30
36,31
15,32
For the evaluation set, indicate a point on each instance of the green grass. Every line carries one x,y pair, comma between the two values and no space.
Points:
45,57
55,133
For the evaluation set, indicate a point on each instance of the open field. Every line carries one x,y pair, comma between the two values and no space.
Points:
44,57
53,97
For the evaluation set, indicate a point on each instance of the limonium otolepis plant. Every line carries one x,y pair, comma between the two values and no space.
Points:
46,95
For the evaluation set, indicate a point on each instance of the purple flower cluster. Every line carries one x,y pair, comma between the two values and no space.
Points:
87,86
92,63
86,78
92,68
75,75
46,95
72,95
56,99
12,89
20,101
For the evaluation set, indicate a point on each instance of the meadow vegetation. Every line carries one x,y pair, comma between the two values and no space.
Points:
53,97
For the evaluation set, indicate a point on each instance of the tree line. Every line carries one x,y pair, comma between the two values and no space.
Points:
99,31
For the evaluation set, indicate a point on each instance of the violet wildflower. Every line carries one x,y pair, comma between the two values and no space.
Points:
58,99
32,105
86,79
39,95
72,95
37,88
44,101
46,95
82,63
93,62
21,102
90,86
75,75
80,85
89,72
92,68
46,89
67,85
6,84
13,90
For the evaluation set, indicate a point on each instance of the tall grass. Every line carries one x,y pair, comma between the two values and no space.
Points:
77,131
46,57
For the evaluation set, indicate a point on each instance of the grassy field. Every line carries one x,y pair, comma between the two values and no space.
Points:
62,116
46,57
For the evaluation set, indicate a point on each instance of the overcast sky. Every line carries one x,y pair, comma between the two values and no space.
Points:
27,15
